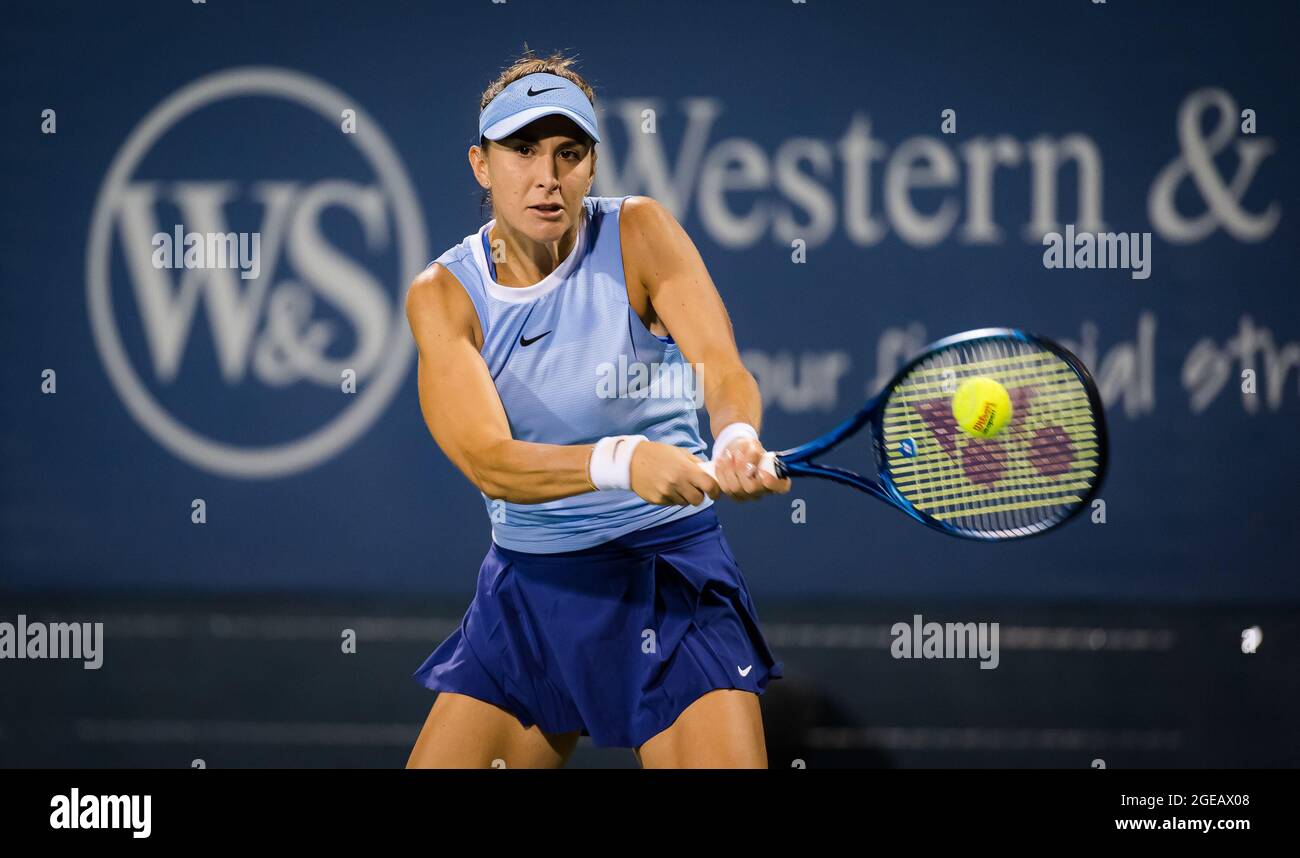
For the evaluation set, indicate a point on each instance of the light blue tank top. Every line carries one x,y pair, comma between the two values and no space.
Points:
572,362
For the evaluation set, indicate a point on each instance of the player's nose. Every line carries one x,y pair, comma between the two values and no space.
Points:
549,173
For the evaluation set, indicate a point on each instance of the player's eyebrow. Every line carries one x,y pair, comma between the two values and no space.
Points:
565,140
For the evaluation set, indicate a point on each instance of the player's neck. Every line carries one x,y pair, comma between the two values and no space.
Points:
526,262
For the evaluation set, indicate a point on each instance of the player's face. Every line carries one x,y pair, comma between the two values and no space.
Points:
539,176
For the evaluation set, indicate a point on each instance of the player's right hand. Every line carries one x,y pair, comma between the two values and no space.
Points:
664,474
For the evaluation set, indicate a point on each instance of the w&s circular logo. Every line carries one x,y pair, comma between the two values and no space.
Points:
248,255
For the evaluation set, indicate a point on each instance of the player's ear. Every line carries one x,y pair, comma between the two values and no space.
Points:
478,164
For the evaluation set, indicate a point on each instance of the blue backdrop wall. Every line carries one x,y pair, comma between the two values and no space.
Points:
765,127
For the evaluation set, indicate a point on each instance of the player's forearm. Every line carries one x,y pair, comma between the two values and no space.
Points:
733,398
524,472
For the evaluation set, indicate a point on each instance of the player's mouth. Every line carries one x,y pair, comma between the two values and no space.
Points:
548,211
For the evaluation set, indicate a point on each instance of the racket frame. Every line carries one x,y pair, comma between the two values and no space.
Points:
798,460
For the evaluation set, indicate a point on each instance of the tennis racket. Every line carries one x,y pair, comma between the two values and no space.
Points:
1044,466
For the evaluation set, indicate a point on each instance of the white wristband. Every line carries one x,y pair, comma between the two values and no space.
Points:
611,462
730,433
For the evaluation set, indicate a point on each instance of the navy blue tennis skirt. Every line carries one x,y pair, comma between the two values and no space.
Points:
613,641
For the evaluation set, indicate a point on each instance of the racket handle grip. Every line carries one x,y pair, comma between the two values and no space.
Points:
768,464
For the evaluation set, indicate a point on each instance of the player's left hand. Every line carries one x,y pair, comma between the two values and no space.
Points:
739,475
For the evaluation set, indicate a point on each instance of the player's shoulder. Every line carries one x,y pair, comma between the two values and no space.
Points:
644,212
437,296
449,275
645,226
433,280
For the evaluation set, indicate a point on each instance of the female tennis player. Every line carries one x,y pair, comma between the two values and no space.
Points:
554,350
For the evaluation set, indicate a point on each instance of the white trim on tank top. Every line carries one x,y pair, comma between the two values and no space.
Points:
522,294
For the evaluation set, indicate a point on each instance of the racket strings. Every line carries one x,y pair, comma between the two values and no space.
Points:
1031,474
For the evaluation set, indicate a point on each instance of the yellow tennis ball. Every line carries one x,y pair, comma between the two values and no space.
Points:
981,406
